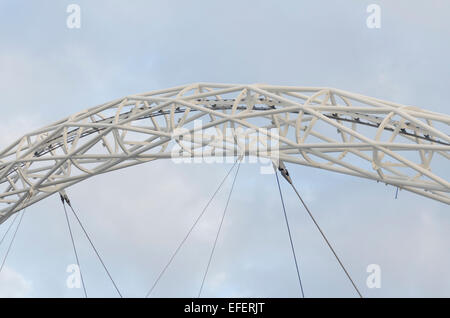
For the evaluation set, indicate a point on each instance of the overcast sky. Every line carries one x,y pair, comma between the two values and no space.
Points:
137,216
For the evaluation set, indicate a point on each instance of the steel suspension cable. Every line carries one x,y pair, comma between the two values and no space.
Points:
74,248
95,250
9,228
326,240
12,241
220,227
189,232
290,236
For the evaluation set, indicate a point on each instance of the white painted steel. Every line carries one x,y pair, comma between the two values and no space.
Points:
319,127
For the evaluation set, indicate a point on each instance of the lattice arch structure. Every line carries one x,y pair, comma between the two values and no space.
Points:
324,128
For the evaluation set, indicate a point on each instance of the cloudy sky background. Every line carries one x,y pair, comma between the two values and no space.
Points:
137,216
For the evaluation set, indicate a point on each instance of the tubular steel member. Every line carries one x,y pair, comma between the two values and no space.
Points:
323,128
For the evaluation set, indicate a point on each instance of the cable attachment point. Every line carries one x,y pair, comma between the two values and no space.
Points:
284,172
64,197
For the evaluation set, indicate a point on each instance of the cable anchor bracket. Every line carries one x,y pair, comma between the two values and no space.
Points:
283,170
64,198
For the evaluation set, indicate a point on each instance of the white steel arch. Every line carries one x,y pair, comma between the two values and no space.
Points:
325,128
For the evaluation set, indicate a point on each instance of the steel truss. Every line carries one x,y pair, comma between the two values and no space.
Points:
324,128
